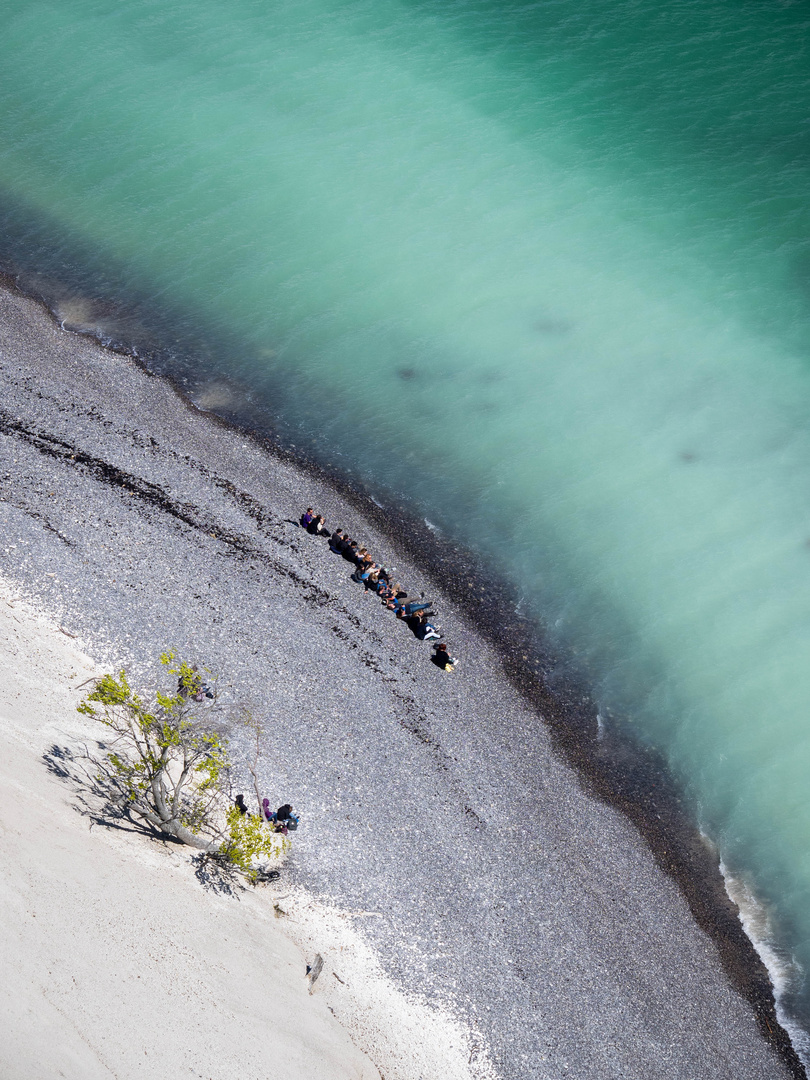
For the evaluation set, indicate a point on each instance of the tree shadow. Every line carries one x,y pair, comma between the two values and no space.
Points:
221,878
98,792
215,876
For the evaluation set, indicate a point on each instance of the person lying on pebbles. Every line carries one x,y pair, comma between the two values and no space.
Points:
386,591
421,627
404,609
393,594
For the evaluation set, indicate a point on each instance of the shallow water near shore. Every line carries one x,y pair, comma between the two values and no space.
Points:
543,272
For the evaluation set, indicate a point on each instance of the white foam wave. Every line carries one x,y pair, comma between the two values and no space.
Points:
784,971
600,726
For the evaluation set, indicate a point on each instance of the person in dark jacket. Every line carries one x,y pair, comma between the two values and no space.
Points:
285,819
338,542
442,659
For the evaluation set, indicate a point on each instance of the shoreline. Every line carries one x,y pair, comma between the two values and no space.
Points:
614,768
611,769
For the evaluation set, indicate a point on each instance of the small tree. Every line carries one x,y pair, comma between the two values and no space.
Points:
170,765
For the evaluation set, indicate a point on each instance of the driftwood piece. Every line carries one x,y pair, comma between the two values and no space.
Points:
314,969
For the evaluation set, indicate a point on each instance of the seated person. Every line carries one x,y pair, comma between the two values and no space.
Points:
385,579
285,819
367,570
317,527
337,541
363,567
442,659
306,519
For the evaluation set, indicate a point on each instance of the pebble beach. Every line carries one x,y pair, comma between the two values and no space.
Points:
496,888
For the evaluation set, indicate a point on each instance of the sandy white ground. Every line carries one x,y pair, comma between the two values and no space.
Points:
117,963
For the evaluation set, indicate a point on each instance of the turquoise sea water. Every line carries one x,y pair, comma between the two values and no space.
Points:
544,269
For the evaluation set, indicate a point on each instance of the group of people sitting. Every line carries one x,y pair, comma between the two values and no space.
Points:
282,820
375,578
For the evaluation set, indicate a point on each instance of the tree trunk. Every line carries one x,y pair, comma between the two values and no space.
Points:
173,827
